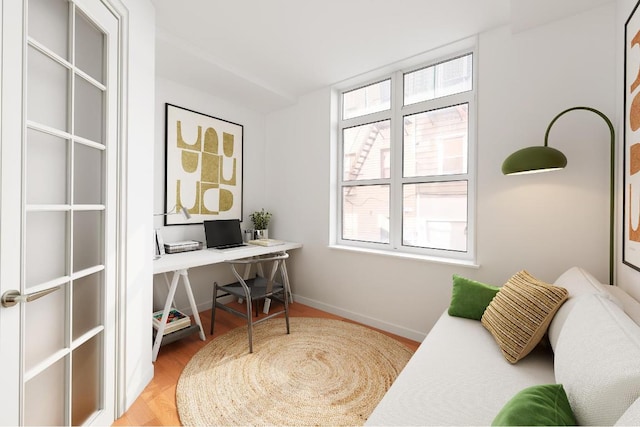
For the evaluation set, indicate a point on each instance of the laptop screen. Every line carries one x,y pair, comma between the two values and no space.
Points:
222,233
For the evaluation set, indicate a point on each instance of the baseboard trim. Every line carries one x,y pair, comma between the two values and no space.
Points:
360,318
357,317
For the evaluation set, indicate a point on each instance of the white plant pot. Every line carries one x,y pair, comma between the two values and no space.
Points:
260,234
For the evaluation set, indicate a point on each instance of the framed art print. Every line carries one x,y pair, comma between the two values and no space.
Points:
631,205
203,170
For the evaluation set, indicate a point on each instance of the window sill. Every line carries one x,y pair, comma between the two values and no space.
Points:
405,255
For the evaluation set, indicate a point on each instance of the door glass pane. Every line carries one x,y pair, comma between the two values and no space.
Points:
365,151
87,300
366,100
85,380
435,215
48,21
435,142
89,48
46,163
88,110
42,407
87,185
44,326
365,213
436,81
47,90
87,240
46,246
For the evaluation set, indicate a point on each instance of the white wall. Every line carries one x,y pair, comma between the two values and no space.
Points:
254,187
543,223
139,200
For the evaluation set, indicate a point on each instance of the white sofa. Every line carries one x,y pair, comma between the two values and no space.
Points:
458,375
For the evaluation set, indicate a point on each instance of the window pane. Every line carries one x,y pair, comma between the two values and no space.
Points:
435,215
366,151
41,407
46,253
47,91
44,327
367,100
435,142
446,78
88,174
365,213
89,48
87,300
89,110
87,246
48,23
85,398
47,157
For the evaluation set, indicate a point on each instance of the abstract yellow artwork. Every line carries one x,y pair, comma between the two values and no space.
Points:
203,166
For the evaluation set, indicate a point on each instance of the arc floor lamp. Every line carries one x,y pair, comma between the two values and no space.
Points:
545,158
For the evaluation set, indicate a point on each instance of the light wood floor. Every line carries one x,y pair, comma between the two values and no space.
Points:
157,406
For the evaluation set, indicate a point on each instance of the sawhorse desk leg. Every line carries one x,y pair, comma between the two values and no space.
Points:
285,280
167,308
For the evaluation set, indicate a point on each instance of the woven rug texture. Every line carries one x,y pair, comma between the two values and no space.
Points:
326,372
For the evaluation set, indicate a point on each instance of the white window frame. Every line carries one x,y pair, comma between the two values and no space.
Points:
396,114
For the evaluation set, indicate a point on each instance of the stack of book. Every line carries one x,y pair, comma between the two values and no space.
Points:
176,321
184,246
266,242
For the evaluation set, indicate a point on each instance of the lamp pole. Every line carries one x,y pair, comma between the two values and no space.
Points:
611,179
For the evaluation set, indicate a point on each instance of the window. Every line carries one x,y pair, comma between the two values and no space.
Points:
406,156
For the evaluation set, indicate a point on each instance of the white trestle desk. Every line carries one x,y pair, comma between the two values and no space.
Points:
180,263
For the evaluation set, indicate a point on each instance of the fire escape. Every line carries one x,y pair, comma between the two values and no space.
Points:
363,152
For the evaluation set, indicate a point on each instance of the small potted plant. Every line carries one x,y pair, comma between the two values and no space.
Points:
260,221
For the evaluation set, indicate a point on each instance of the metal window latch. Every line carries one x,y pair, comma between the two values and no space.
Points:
13,297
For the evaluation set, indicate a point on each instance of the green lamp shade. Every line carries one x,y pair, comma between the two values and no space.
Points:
534,159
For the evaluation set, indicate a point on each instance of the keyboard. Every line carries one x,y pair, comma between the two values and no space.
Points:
233,245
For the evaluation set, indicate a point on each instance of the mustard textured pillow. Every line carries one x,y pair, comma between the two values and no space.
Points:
520,313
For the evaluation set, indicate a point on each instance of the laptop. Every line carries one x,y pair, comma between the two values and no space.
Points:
223,234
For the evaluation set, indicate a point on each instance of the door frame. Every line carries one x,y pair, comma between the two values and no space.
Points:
121,13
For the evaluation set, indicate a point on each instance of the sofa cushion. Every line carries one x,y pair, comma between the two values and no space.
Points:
519,314
458,377
470,298
596,360
539,405
579,283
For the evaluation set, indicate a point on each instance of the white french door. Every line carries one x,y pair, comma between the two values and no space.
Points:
58,178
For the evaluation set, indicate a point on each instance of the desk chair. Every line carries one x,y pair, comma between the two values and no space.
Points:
253,290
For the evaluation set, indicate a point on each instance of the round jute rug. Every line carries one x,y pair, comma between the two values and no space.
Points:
326,372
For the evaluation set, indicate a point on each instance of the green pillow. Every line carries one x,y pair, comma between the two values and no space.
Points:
470,298
540,405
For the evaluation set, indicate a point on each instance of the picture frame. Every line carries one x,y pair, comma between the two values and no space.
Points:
203,167
631,136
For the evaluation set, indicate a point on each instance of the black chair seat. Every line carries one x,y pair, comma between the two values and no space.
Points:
257,288
260,287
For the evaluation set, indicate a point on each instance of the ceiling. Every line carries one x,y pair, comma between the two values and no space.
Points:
265,54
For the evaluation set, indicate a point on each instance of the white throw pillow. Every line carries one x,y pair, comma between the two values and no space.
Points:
579,283
596,360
